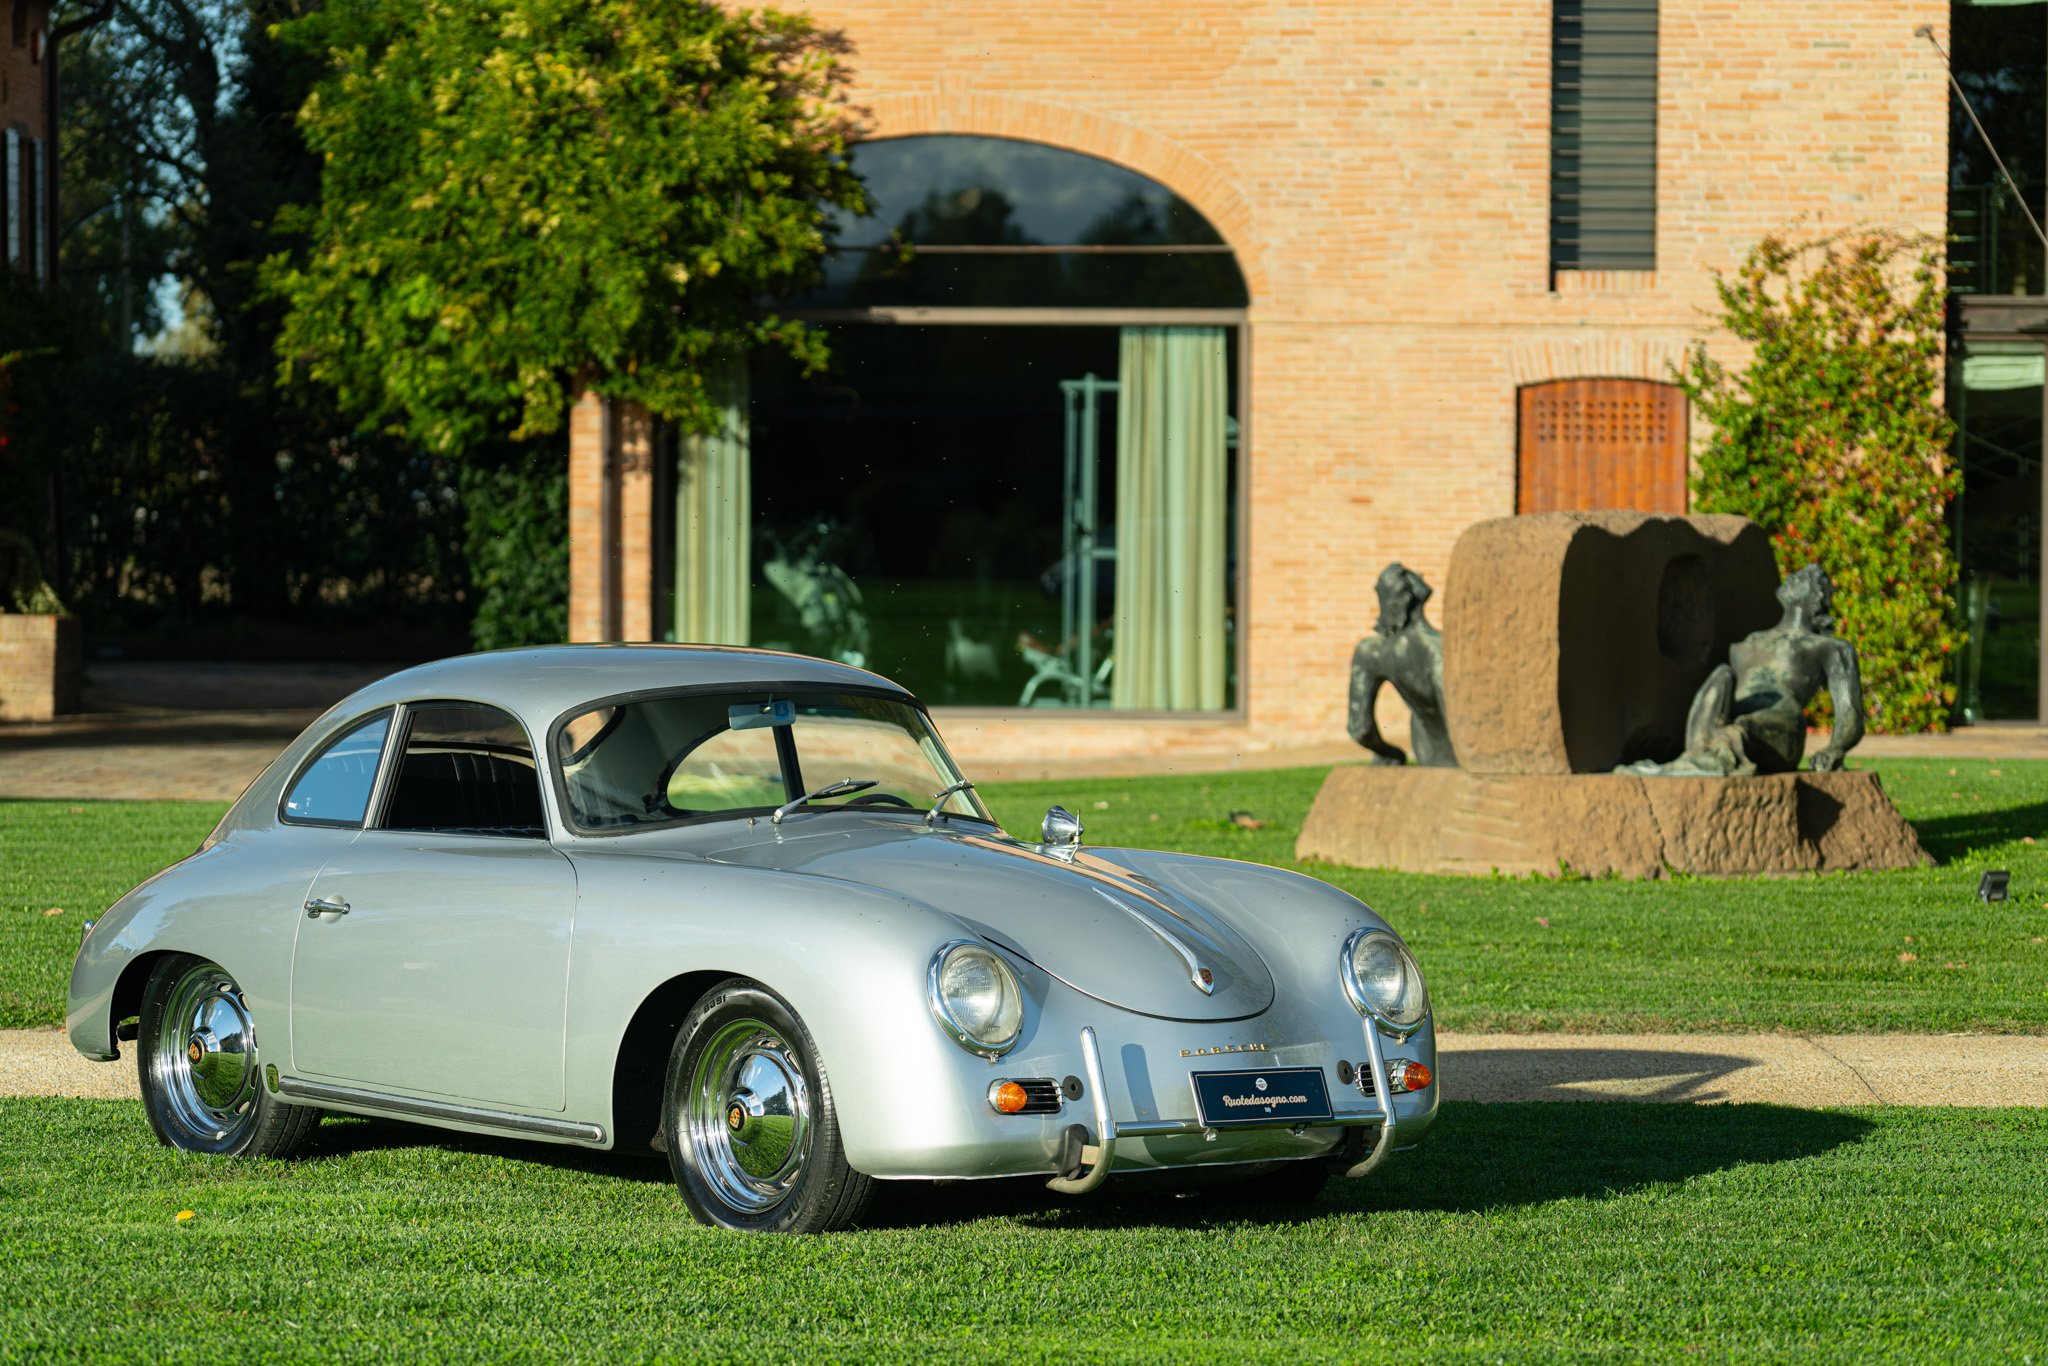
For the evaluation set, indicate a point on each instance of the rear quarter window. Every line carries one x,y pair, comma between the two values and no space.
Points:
335,788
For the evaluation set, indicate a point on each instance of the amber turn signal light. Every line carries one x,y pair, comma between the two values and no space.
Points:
1007,1097
1416,1076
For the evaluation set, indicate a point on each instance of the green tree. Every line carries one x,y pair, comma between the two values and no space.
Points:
524,198
1834,439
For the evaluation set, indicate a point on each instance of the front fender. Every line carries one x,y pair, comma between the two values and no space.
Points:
850,960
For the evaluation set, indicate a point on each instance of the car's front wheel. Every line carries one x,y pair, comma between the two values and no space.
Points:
201,1082
753,1139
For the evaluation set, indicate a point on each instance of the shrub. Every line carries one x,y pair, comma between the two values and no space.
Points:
1834,439
518,544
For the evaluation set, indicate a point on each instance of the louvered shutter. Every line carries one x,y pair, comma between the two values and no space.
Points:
1603,135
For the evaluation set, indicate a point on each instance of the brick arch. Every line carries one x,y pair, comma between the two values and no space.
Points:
1599,357
1195,179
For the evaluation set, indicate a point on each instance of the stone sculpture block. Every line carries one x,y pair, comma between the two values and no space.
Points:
1575,641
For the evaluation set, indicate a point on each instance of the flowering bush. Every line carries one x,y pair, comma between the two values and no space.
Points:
1833,438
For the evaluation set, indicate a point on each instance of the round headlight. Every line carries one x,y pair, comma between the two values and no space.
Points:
976,997
1382,980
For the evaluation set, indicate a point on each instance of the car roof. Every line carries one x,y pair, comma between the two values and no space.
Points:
543,682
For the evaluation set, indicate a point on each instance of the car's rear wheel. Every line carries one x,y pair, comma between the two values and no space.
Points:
753,1138
202,1082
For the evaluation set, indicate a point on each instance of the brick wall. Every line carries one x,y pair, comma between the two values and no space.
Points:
1383,174
22,82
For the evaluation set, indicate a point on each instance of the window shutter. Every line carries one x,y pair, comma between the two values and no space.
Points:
1603,135
14,197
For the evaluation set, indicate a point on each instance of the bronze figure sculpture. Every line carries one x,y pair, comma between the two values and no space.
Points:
1406,651
1749,717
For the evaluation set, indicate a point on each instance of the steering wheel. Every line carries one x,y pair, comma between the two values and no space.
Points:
872,798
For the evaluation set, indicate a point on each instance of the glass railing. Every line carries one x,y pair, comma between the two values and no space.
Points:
1992,247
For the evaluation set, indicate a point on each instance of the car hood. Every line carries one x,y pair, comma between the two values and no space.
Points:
1112,934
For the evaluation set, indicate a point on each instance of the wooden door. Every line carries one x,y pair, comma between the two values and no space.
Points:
1602,443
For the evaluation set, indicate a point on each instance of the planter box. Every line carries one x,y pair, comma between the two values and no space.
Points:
42,666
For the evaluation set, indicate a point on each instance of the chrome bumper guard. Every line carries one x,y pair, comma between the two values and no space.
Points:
1098,1157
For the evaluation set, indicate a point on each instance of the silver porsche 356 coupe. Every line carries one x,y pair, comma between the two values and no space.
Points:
739,907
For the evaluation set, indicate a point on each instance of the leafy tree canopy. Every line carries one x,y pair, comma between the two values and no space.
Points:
1834,440
522,198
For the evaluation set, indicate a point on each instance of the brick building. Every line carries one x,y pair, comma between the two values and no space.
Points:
1216,309
27,146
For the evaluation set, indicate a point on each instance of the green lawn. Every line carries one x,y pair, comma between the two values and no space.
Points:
1516,1231
1815,954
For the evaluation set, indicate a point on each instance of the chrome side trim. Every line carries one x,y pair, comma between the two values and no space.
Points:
319,1093
1105,1125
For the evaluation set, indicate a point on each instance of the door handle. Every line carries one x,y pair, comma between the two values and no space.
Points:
325,905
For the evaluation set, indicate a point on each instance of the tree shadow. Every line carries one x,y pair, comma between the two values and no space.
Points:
1949,838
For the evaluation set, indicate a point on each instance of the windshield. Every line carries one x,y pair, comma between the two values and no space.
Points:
665,759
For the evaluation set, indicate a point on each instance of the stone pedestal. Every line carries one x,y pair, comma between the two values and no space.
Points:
1434,820
42,666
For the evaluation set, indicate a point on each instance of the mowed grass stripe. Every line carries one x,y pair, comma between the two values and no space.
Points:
1845,953
1562,1230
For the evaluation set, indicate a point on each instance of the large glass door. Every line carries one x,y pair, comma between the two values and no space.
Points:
1996,400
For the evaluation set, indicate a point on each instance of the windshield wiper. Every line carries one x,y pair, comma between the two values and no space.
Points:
940,796
841,788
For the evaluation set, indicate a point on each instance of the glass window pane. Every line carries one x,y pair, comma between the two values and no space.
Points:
943,506
1999,56
955,188
466,769
1996,402
733,771
335,788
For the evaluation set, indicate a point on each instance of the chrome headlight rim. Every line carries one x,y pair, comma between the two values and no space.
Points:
935,998
1355,991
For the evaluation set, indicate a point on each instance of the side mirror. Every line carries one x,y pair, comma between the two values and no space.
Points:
1061,829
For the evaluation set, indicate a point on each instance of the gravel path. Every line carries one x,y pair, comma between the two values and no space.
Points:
1779,1069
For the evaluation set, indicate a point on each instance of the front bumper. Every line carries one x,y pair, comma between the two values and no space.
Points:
1086,1165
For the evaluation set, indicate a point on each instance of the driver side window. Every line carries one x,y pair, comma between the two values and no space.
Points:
466,769
732,770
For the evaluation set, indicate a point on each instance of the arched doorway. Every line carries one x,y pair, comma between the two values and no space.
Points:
1017,483
1601,443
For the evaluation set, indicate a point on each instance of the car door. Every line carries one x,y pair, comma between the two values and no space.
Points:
433,954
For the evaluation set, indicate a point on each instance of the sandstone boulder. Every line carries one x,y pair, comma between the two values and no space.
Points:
1574,641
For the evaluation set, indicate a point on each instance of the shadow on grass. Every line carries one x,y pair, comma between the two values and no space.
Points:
1951,837
1478,1157
345,1135
1580,1074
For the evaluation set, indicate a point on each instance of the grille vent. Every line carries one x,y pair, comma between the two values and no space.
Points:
1042,1095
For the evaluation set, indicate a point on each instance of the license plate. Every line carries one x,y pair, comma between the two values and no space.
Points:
1278,1095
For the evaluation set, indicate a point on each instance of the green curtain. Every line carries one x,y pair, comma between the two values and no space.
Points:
1171,460
714,525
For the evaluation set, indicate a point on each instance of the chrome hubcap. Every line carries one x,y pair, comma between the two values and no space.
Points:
749,1116
206,1055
